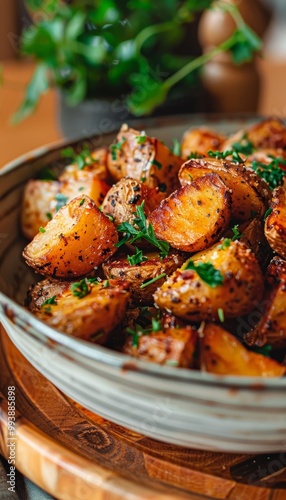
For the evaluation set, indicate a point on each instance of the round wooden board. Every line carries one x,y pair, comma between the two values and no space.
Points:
74,454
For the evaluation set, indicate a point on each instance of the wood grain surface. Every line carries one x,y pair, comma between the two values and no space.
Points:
74,454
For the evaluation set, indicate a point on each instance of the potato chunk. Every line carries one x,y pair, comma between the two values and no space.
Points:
275,224
194,216
96,165
84,309
271,329
37,205
223,354
138,274
123,198
267,134
200,141
147,160
173,346
75,241
249,193
81,182
190,297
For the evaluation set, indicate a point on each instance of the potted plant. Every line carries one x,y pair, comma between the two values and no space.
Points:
111,60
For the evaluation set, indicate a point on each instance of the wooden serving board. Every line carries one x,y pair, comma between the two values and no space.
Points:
74,454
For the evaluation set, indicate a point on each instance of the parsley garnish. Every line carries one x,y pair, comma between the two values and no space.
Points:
225,244
61,201
244,146
176,147
143,179
116,147
47,175
139,330
222,155
264,350
137,258
94,281
271,172
268,212
236,234
140,230
106,284
157,164
220,313
141,139
207,272
49,215
51,301
81,202
80,289
82,159
147,283
194,155
42,229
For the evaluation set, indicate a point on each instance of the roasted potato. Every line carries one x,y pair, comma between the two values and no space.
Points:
173,346
201,141
194,216
250,193
271,329
147,160
275,224
253,236
122,199
196,298
83,309
222,354
266,156
267,134
97,168
37,205
81,182
74,242
118,267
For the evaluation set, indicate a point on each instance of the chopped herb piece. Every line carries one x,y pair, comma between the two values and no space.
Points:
137,258
207,272
264,350
94,281
82,159
137,332
157,164
143,179
81,188
225,244
236,234
42,229
244,146
271,172
80,289
110,217
176,147
147,283
141,230
62,201
268,212
106,284
81,202
156,325
220,155
141,139
220,313
236,157
47,175
117,147
47,309
51,301
194,155
49,215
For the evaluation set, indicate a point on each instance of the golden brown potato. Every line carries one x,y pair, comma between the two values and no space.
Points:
271,329
123,198
75,241
83,309
266,156
118,267
233,291
97,168
194,216
253,236
147,160
275,224
250,193
200,141
267,134
37,207
81,182
173,346
223,354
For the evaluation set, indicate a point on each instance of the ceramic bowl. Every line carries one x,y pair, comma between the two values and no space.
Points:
226,413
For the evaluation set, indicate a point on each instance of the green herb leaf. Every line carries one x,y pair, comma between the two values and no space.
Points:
220,155
61,201
176,147
80,289
193,156
271,172
244,146
141,139
207,272
220,313
156,325
51,301
268,212
236,234
37,86
147,283
81,160
157,164
42,229
137,258
117,147
225,244
49,215
81,202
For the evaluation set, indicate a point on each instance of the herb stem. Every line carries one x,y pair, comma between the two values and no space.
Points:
153,280
149,31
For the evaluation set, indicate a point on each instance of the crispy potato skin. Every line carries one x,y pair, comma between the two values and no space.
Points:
266,156
151,161
92,317
275,224
119,268
163,347
97,169
253,236
186,295
194,216
271,329
200,141
267,134
123,198
223,354
249,192
75,241
37,202
81,182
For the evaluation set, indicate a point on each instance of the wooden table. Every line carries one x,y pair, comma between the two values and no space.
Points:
41,128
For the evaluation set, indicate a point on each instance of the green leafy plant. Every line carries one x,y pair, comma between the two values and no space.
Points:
128,50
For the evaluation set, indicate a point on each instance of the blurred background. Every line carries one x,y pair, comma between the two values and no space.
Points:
222,86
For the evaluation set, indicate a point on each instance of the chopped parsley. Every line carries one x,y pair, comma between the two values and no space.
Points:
271,172
80,289
141,230
222,155
268,212
264,350
51,301
236,234
157,164
139,330
137,258
81,202
82,159
61,201
116,147
149,282
106,284
244,146
207,272
176,147
49,215
47,175
194,155
220,313
225,244
42,229
141,139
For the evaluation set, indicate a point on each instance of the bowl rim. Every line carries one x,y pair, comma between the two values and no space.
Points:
24,319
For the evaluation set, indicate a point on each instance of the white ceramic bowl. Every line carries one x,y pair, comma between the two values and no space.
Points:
235,414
